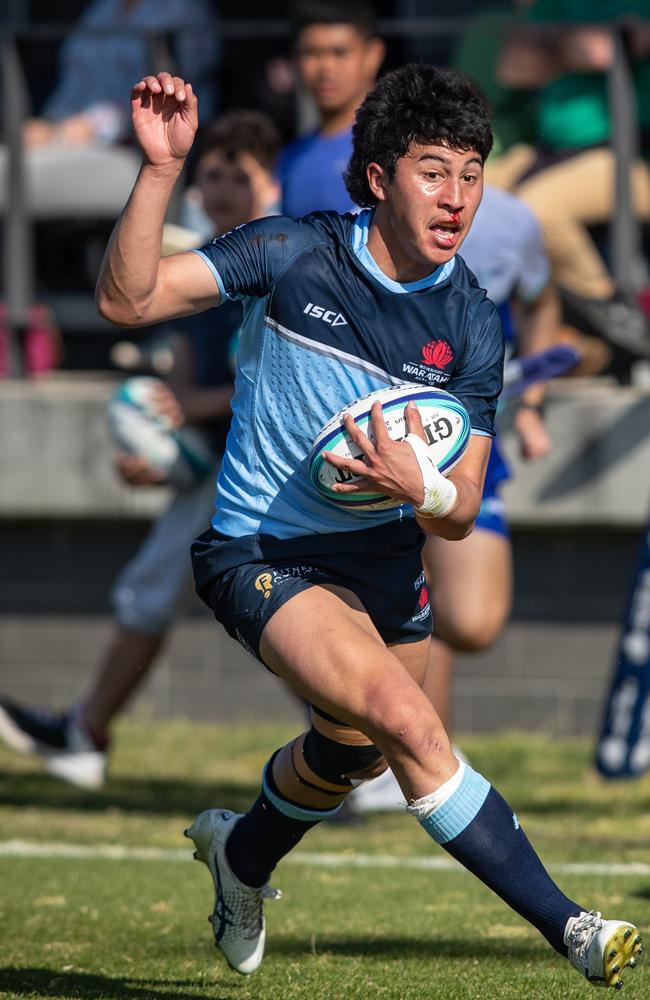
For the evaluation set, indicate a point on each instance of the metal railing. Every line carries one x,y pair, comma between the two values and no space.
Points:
628,264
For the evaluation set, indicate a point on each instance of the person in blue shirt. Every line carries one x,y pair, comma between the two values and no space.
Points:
329,598
338,56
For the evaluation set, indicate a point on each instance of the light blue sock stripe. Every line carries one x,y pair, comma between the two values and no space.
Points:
458,811
294,811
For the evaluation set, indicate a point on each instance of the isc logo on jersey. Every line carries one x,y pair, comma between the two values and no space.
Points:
327,315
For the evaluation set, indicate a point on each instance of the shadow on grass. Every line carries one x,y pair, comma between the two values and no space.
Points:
40,982
158,796
36,982
393,949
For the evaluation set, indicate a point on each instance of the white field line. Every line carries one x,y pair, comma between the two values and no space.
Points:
112,852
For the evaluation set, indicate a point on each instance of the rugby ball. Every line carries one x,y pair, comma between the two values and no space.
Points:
446,425
183,455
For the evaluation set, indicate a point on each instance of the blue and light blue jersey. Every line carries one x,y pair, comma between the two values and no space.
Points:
322,326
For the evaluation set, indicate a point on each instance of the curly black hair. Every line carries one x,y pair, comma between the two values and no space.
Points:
416,103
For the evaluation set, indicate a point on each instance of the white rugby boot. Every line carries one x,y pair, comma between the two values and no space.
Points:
238,916
601,949
61,742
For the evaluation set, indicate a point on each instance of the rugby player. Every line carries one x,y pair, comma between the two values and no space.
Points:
328,599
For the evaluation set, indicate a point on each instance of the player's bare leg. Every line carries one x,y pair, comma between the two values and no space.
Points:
470,585
356,678
324,645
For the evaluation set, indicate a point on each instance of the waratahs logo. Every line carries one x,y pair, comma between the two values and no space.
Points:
437,353
423,607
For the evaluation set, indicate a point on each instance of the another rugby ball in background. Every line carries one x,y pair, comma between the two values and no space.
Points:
184,456
446,425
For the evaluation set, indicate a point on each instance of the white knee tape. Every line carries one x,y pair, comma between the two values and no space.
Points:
439,493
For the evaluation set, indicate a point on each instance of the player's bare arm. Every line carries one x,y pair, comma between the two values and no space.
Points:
391,467
136,286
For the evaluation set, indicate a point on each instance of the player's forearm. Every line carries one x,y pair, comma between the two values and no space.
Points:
128,276
458,523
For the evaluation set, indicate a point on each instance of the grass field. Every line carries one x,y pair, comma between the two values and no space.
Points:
135,926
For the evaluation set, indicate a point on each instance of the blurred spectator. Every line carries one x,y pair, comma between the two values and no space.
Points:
338,56
43,347
75,165
437,46
568,177
234,171
476,53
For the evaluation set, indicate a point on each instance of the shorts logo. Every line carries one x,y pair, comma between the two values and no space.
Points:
437,353
424,608
264,583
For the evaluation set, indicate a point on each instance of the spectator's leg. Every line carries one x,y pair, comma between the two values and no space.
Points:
504,171
145,598
471,596
567,198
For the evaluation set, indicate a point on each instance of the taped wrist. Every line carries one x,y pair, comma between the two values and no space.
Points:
440,494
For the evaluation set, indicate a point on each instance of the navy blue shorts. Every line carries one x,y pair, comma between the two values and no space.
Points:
245,580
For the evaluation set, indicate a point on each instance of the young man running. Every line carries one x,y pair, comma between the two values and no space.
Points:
328,599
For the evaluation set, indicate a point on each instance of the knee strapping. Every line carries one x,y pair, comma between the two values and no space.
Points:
311,776
339,752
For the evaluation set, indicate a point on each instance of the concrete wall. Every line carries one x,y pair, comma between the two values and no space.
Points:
55,456
67,525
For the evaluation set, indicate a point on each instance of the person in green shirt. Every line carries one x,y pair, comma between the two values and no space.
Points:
564,49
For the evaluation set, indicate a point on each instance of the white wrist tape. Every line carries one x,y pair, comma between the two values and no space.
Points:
440,494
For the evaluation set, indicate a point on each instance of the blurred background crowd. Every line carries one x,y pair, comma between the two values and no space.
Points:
562,245
568,82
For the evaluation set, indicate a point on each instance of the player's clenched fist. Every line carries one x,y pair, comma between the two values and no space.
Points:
165,117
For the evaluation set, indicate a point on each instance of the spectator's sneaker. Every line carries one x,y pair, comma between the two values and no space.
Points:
377,795
238,916
619,321
60,741
601,949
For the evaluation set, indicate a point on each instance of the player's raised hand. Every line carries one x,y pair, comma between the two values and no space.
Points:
164,111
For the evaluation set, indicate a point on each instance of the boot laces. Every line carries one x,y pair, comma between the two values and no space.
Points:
581,936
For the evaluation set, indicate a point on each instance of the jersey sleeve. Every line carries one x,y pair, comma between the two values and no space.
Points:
247,261
478,381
